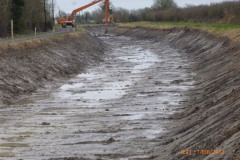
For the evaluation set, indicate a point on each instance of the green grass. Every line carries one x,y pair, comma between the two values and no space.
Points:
14,145
232,31
213,26
58,36
26,35
7,154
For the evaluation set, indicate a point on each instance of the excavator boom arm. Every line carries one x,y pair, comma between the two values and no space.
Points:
106,11
71,17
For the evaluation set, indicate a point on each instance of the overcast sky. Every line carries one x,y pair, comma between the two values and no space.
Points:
69,5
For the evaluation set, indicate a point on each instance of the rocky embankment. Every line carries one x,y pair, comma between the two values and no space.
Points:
27,66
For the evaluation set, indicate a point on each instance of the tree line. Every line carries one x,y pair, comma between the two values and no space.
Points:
224,12
26,15
167,10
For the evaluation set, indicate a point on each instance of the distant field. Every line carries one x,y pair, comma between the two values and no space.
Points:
229,30
214,26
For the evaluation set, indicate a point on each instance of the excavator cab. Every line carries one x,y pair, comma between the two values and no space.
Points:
64,22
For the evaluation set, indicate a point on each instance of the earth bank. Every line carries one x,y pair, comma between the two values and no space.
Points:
27,66
211,118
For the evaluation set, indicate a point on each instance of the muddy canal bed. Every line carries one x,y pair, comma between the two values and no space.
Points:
114,110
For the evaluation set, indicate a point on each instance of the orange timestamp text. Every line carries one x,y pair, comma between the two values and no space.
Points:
202,151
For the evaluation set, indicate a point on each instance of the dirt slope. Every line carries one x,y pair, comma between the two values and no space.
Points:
26,66
211,120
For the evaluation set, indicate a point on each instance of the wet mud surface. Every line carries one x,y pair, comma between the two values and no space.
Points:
210,120
158,94
117,109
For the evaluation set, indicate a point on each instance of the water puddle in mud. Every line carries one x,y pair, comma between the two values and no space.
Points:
68,87
143,59
102,91
137,116
90,76
82,86
112,90
150,134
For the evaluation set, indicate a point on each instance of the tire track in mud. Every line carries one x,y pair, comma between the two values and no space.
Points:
118,109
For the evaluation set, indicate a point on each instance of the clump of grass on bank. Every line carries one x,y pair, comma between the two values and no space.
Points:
213,26
219,29
78,32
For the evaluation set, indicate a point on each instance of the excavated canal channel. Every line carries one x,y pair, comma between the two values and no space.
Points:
114,110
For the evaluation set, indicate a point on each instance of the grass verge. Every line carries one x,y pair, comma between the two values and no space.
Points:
33,42
229,30
58,35
214,26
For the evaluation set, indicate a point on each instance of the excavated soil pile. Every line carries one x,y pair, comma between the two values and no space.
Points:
26,66
211,120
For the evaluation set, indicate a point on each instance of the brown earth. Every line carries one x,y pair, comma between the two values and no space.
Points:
27,66
211,119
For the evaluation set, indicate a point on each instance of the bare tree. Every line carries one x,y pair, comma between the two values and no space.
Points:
52,6
121,15
5,6
164,4
27,14
98,15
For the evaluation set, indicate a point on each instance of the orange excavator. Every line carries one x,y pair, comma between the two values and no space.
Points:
106,15
70,21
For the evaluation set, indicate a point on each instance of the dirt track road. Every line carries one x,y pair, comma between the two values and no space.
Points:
112,111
